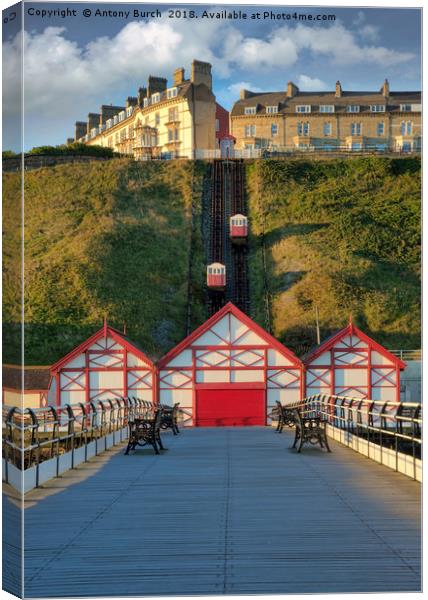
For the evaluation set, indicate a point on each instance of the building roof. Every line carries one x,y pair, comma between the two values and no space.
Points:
288,105
351,329
105,331
232,309
35,378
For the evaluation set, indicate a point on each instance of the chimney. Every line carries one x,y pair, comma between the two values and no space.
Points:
201,73
385,88
79,130
292,89
338,92
156,84
178,76
93,121
108,111
131,101
142,93
244,94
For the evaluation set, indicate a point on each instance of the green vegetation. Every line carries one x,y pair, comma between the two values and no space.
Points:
9,154
343,235
109,238
115,238
74,149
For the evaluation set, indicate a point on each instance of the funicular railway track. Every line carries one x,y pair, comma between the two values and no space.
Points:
227,199
240,283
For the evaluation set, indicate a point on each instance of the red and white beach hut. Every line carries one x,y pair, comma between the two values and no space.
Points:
350,363
106,366
229,371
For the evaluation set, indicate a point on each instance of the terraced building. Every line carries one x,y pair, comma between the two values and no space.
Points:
331,120
175,121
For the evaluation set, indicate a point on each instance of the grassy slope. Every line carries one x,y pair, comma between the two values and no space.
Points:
343,235
106,239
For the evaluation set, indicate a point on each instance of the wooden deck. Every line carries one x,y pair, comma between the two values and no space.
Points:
223,511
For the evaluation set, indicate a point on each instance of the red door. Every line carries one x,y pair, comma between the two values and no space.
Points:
230,407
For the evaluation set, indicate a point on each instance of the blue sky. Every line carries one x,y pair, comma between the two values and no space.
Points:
74,64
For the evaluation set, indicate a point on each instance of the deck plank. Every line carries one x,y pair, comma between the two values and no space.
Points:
224,511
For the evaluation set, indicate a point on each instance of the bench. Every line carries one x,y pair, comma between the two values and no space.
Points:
285,416
169,418
310,429
145,431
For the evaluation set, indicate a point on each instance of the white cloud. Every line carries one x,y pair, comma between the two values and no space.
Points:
235,88
369,33
309,84
65,80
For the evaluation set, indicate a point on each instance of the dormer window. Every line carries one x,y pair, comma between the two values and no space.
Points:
353,108
109,123
327,108
145,102
172,92
303,108
129,111
272,110
250,110
377,108
155,98
122,115
115,120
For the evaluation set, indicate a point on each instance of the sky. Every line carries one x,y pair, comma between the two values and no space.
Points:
75,63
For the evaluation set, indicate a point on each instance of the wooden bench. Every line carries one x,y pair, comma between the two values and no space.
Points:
169,418
145,431
310,429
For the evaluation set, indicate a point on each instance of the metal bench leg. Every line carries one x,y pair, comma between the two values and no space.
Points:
296,437
326,442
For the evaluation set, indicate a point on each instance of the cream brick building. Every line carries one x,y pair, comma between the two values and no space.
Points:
172,121
295,120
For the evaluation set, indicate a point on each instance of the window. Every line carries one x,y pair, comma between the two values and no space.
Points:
272,110
355,128
131,131
303,128
250,110
172,114
172,135
122,134
121,115
303,108
145,102
353,108
274,129
327,129
146,120
109,123
327,108
115,119
155,98
110,142
217,125
381,128
250,130
157,119
116,138
406,128
94,132
377,108
129,111
171,93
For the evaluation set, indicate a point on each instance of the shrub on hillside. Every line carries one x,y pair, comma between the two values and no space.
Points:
73,149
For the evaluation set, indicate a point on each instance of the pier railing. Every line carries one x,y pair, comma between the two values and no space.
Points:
388,432
42,443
